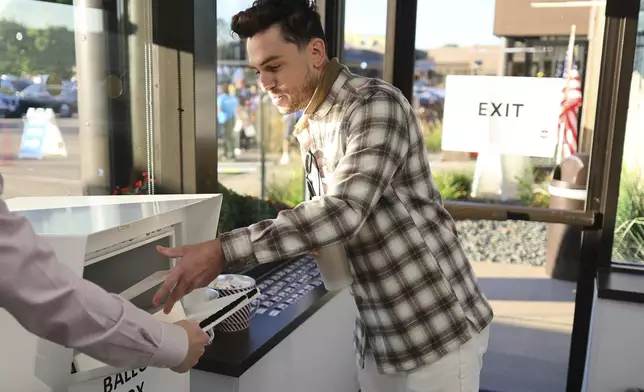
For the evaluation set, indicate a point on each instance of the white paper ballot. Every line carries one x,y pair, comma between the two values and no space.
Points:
176,314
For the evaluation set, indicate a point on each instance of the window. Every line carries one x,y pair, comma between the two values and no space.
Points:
502,38
73,100
477,59
364,37
259,161
628,244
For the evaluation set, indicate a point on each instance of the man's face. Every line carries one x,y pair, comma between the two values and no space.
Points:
289,75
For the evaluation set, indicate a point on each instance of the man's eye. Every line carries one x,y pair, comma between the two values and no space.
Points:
274,68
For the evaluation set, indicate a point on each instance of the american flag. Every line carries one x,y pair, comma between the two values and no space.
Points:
570,104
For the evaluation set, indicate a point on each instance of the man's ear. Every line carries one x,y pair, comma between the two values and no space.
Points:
317,52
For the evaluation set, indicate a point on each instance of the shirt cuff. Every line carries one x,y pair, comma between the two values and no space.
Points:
173,348
237,246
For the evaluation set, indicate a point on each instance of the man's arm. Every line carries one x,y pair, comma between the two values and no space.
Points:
377,145
50,301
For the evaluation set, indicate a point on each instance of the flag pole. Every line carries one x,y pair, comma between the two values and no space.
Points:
569,64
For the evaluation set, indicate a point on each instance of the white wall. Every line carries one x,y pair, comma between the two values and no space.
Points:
616,355
317,357
633,158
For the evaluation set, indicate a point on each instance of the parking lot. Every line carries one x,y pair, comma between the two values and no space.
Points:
47,177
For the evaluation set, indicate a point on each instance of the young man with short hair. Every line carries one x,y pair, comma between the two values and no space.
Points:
423,320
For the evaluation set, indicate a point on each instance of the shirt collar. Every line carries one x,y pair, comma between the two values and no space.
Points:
324,94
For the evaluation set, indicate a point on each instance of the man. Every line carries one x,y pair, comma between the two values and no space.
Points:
50,301
248,137
423,320
289,120
228,105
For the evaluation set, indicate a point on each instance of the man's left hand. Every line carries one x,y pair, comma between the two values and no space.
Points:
200,264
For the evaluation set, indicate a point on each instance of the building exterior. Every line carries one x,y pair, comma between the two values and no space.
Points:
537,37
364,54
521,19
466,60
375,43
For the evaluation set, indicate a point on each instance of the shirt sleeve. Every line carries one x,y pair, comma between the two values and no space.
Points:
377,144
51,301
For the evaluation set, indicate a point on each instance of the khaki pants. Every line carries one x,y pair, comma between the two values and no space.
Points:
458,371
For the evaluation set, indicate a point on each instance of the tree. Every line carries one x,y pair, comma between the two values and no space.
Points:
25,51
54,51
14,48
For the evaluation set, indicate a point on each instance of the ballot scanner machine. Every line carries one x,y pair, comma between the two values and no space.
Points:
111,241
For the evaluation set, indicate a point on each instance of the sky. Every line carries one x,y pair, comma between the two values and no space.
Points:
440,22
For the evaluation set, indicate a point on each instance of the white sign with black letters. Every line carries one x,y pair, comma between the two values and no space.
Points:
138,380
510,115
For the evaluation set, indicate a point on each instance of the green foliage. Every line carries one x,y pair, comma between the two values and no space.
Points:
289,192
433,141
530,194
433,135
48,51
628,243
241,211
454,186
457,186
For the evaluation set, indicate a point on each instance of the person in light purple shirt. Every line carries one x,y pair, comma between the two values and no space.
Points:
51,301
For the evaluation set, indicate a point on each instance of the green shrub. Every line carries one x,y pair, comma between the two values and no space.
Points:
454,186
628,244
433,135
289,192
241,211
531,194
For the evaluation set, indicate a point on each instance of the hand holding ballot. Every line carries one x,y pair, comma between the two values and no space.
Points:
200,264
197,341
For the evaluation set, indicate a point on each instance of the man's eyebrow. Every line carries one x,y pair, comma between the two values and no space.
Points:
269,59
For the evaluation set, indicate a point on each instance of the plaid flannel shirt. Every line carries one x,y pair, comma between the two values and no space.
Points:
413,285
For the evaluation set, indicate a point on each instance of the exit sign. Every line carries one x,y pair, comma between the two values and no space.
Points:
507,115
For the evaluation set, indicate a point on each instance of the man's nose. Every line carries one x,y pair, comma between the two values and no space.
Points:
267,82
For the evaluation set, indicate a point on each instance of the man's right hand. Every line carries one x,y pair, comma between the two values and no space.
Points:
197,341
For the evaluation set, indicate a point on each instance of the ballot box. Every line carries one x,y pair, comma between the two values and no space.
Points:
111,241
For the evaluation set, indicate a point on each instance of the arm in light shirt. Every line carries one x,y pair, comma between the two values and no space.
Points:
52,302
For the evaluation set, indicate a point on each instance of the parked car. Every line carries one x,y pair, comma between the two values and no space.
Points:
9,88
39,95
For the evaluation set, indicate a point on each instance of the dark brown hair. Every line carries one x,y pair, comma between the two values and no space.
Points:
299,20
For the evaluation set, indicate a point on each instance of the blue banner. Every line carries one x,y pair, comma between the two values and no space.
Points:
32,142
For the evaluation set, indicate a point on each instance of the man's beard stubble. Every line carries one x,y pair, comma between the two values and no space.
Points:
303,95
